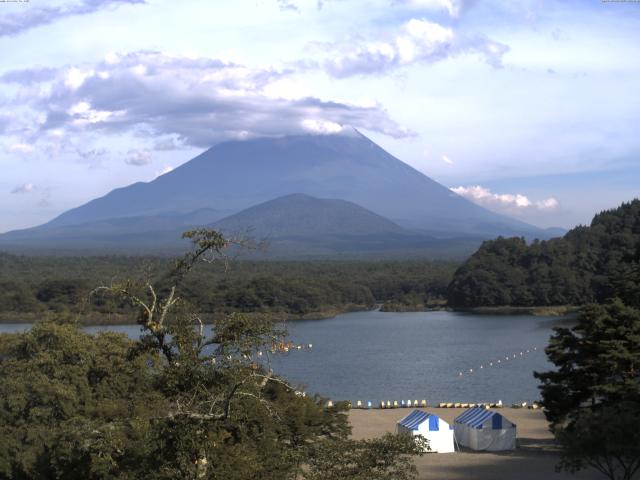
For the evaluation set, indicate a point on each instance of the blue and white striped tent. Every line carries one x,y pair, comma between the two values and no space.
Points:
438,432
482,429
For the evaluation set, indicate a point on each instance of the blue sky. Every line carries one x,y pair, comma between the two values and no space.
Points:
530,108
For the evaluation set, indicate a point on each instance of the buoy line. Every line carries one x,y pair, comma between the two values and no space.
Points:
500,361
285,347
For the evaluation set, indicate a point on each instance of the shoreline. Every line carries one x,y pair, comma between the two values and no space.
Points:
96,318
551,311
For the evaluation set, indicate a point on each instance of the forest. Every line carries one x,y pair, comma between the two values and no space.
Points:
32,286
589,264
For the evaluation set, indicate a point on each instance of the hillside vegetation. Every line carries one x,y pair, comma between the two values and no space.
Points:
33,286
589,264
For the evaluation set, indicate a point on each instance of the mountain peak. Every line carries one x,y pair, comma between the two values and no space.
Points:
337,162
319,127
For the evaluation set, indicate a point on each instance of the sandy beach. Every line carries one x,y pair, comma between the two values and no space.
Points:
534,459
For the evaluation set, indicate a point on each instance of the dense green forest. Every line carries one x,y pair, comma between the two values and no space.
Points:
589,264
31,286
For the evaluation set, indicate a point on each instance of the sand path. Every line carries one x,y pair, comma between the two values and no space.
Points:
534,459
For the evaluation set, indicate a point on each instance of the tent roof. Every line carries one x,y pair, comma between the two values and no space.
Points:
417,417
476,417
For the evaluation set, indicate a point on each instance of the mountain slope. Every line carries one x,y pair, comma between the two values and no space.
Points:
300,215
301,226
294,226
235,175
135,234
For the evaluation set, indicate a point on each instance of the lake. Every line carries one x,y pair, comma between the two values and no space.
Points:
373,356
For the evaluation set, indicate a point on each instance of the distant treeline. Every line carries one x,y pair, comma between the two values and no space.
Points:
37,285
588,264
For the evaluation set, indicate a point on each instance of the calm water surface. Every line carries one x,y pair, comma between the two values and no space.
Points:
373,356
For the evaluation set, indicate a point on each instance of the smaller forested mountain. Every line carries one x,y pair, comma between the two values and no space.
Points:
588,264
300,215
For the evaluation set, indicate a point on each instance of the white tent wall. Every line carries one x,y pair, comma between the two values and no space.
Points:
438,433
440,441
485,430
492,440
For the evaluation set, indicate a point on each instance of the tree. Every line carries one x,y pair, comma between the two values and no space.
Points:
183,402
73,405
593,398
588,264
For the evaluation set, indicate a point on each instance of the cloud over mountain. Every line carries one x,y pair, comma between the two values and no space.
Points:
196,101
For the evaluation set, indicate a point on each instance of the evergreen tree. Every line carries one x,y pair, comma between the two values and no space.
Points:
593,398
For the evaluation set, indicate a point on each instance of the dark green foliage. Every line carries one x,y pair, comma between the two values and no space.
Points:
59,284
593,398
72,405
177,404
377,459
588,264
607,439
18,297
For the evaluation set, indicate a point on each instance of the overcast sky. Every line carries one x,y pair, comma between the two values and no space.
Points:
528,107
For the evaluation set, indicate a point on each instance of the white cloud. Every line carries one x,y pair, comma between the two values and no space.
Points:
418,40
321,126
166,169
297,5
507,202
75,77
198,100
453,7
35,16
447,160
24,188
138,158
21,148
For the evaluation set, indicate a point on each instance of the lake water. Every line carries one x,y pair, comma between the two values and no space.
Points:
373,356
